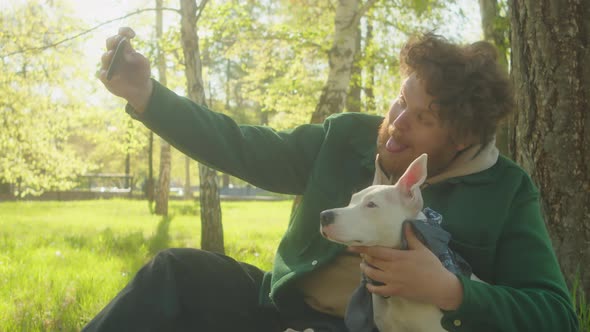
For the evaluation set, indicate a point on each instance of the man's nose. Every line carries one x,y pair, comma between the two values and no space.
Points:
326,218
401,121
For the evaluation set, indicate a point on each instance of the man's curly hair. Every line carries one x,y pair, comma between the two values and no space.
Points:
471,89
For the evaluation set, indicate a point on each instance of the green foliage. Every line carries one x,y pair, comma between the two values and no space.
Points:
271,64
581,305
264,62
61,262
502,32
37,107
51,131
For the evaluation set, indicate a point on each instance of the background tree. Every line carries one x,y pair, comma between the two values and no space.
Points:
551,72
341,58
496,29
211,225
163,189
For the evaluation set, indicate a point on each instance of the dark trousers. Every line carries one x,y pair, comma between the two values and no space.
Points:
194,290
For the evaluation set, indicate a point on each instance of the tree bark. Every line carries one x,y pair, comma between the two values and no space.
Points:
353,100
341,59
211,226
225,181
165,150
163,189
551,72
188,193
369,81
149,184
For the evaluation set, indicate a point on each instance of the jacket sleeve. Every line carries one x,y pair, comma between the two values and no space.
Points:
278,161
528,292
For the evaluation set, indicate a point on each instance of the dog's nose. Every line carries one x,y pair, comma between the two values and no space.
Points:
326,218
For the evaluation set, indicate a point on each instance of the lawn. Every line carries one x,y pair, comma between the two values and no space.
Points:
61,262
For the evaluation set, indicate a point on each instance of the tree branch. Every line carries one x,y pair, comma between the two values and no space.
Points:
67,39
361,12
200,9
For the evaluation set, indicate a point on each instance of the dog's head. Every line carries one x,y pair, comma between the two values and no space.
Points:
376,214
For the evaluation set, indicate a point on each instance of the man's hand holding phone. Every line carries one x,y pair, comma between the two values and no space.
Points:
124,72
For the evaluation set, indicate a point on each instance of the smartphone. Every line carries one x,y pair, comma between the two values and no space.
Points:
117,58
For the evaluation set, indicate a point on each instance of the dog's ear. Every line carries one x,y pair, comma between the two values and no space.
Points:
409,183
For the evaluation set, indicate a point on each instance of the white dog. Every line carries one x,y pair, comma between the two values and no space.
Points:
375,217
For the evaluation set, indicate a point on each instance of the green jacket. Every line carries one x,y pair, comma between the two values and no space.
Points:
494,216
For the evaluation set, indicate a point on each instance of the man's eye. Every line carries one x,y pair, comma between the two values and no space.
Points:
371,205
424,119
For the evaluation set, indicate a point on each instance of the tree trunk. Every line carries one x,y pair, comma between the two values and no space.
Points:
494,31
369,81
188,194
163,189
149,184
225,181
551,72
353,100
341,59
165,153
211,226
495,28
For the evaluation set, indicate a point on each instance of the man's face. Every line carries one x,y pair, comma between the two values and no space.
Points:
411,128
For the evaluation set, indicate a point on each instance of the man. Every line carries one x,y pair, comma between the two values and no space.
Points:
448,107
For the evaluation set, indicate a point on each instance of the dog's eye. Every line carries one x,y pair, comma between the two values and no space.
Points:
371,204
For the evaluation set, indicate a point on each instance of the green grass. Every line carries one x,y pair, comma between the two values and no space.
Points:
581,305
61,262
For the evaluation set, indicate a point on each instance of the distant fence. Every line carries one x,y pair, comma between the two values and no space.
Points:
228,194
106,186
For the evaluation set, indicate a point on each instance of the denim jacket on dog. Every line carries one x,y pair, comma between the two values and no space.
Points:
359,313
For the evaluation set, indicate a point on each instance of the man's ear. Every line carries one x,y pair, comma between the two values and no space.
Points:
460,146
414,176
461,143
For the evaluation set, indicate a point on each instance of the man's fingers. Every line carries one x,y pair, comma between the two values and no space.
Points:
382,253
105,59
384,290
374,261
113,41
127,32
373,272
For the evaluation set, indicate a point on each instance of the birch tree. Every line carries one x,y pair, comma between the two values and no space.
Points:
211,226
163,190
341,58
